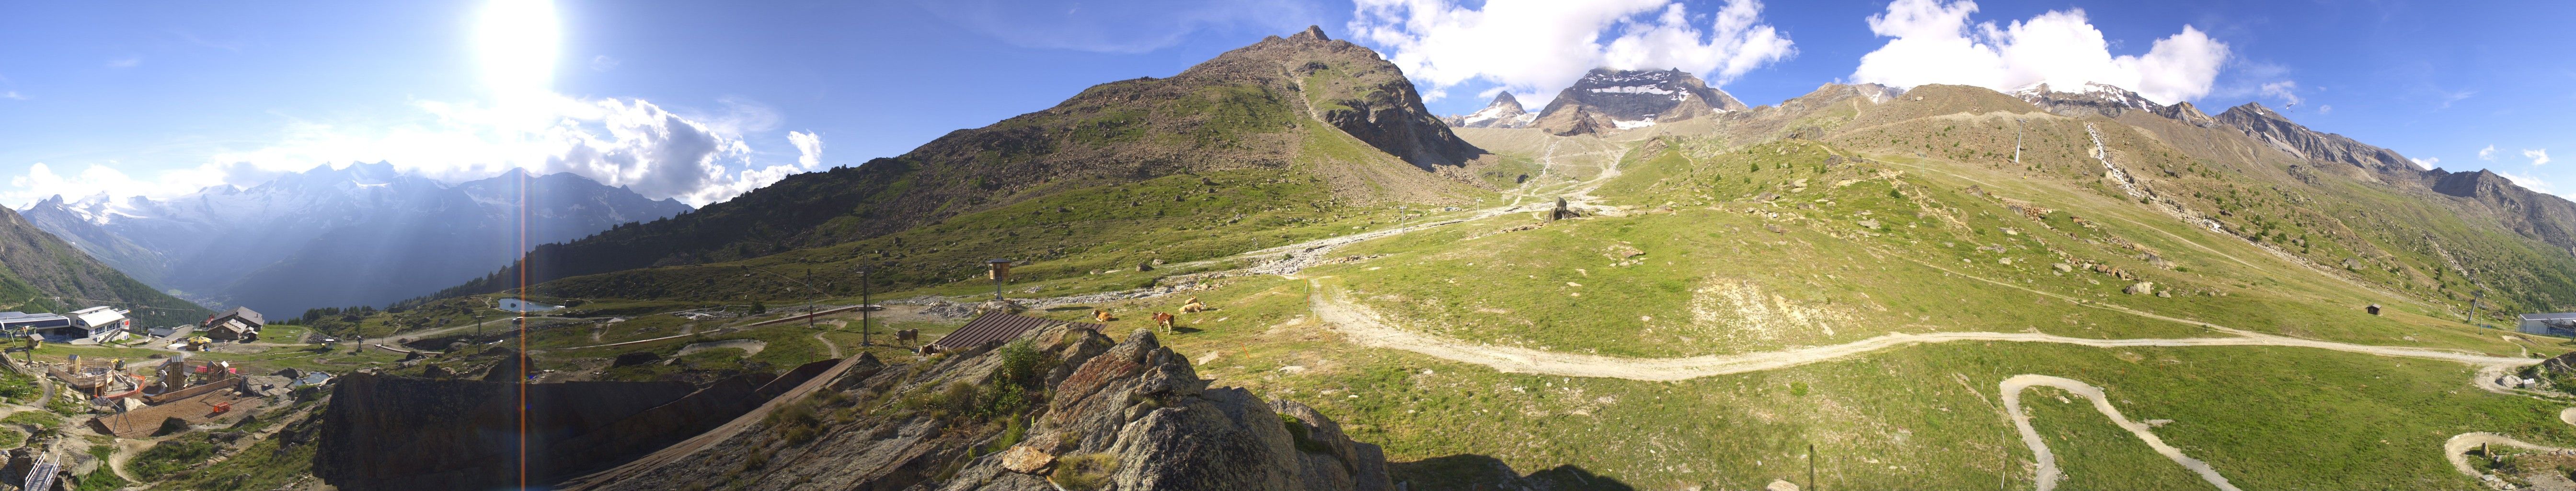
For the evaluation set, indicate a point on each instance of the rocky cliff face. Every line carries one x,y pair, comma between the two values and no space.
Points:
2533,214
1062,409
2271,128
1608,99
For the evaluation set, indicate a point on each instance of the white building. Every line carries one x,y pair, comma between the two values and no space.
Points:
2558,324
100,324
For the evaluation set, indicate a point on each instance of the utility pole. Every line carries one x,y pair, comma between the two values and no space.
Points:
864,306
809,301
1811,466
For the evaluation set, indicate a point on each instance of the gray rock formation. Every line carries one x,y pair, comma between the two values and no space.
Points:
1129,415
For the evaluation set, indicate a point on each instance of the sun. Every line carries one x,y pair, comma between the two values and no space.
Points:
517,42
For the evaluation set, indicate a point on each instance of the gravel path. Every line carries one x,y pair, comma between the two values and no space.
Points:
2048,473
1365,327
827,344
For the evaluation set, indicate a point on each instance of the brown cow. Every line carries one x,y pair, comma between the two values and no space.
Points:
907,335
1101,315
1164,319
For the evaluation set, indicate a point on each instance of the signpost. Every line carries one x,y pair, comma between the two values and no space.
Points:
1001,272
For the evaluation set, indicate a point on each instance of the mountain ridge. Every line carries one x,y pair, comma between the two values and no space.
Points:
1262,107
361,234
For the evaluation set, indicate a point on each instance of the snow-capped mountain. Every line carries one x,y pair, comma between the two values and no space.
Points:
360,234
1504,112
2092,97
1608,99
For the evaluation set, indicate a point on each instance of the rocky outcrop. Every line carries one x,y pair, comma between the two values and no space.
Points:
1127,415
2533,214
1364,96
2185,112
2271,128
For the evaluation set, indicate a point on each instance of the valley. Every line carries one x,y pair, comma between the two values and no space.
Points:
1652,286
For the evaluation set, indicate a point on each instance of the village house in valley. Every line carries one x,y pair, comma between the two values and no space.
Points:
238,324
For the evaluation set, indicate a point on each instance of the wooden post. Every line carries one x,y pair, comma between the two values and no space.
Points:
1811,466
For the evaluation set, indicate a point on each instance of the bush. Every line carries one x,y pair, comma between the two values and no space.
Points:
1084,472
795,423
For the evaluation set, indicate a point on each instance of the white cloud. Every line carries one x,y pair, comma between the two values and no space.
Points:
2527,181
660,154
2487,153
126,62
1935,43
1539,46
2538,157
695,158
809,149
604,63
2285,90
2325,109
2427,163
13,95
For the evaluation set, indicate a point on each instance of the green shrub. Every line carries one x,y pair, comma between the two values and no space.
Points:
1297,431
1084,472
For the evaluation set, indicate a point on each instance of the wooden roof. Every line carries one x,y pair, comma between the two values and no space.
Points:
993,326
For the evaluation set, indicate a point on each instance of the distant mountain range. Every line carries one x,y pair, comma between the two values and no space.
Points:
40,273
363,234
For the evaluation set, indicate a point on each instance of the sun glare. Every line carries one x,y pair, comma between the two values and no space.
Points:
517,41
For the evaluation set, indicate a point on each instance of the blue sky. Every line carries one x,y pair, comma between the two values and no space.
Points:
701,101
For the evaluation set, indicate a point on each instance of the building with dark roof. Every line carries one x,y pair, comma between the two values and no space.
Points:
997,326
238,324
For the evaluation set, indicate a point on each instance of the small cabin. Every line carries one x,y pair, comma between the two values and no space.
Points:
238,324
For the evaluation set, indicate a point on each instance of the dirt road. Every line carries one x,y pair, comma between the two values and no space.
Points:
1365,327
2048,473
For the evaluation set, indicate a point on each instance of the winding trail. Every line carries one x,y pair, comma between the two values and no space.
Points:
827,344
1366,327
2048,473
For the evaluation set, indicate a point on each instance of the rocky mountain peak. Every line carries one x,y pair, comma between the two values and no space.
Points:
2185,112
1312,33
1504,112
1630,99
2252,111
